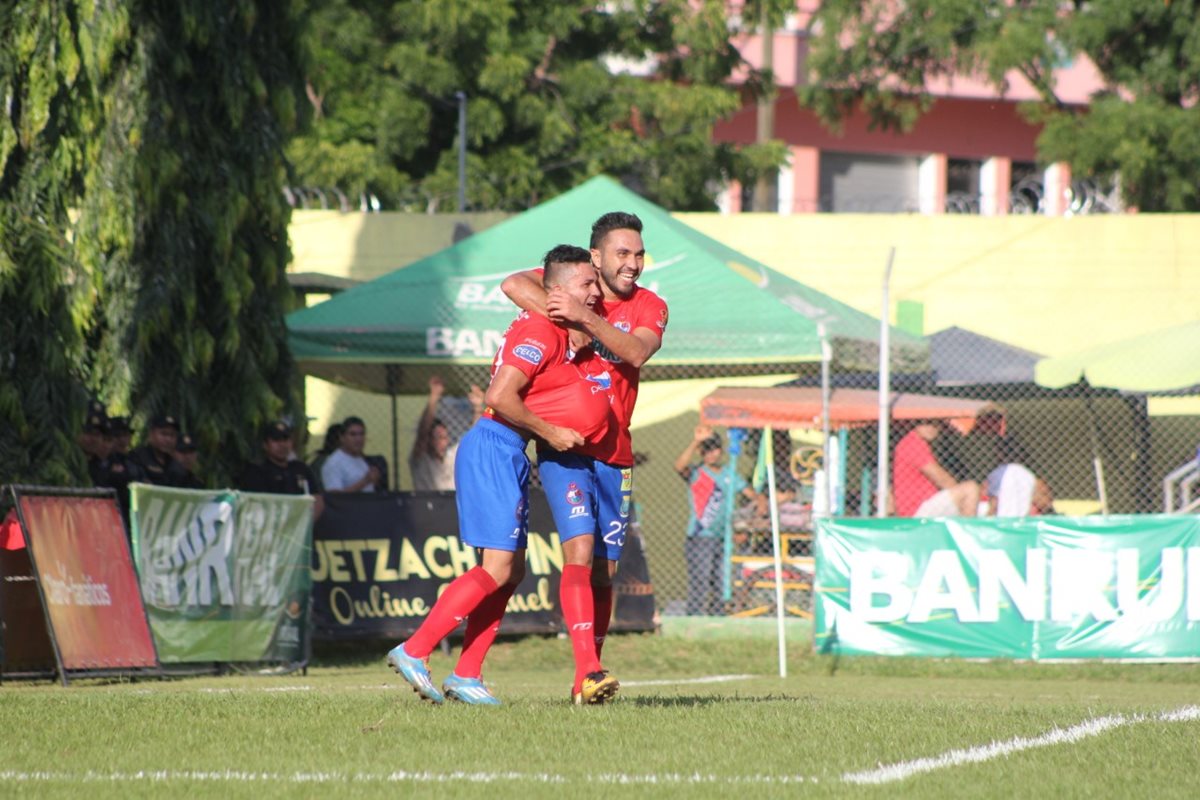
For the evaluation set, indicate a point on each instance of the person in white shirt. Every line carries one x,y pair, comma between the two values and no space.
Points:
345,470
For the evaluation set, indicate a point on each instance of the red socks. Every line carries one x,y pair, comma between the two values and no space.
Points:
460,598
602,604
575,597
482,625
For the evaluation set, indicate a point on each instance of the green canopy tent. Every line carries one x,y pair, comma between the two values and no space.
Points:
1165,361
445,314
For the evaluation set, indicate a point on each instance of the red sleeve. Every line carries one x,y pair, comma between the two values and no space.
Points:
650,313
531,344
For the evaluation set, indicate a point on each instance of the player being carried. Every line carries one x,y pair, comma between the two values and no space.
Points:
542,385
589,488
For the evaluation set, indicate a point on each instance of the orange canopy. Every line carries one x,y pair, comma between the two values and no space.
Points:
787,407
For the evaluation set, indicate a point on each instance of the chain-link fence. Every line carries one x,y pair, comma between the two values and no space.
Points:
1094,449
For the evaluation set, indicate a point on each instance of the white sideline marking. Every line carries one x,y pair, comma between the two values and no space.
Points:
398,776
953,758
683,681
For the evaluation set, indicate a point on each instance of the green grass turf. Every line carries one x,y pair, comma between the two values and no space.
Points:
352,728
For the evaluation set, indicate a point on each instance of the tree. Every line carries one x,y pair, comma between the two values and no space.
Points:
1143,127
555,93
47,82
183,222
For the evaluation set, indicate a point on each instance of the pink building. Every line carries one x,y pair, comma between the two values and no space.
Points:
972,153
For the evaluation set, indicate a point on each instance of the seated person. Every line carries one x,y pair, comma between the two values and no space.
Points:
921,487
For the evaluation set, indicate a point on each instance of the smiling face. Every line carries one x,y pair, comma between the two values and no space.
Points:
620,259
578,280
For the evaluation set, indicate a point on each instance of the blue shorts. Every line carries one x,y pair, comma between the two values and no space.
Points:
588,497
491,483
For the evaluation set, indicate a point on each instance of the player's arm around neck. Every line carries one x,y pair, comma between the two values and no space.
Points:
504,398
525,289
633,348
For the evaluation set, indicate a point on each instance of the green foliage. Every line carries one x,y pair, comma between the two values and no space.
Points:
48,99
544,109
876,55
184,227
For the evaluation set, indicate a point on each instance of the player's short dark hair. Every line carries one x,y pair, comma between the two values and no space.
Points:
614,221
558,258
348,421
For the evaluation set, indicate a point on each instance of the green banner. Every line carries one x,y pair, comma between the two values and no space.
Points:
1045,588
225,575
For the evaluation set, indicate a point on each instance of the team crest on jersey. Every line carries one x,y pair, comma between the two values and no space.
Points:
601,382
528,352
574,494
662,320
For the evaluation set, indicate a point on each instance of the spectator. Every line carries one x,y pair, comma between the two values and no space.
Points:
154,462
278,472
332,435
95,441
345,469
119,470
432,459
709,511
186,454
1013,490
121,435
921,487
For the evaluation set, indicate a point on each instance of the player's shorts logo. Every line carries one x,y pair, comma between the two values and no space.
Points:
528,352
574,495
625,506
626,480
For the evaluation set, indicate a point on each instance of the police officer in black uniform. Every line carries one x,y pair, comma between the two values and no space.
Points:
278,472
186,454
154,462
118,458
95,441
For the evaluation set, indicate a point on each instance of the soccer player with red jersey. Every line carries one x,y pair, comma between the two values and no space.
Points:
540,387
626,331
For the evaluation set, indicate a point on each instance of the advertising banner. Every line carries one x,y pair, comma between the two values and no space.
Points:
380,561
81,558
225,575
1046,588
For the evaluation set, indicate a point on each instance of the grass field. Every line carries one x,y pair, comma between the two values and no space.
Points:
698,716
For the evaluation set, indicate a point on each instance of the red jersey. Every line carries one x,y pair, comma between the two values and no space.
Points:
910,487
560,390
643,309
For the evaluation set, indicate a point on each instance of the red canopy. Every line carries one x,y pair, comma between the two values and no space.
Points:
787,407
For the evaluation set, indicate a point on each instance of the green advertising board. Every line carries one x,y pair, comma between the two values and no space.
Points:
225,575
1043,588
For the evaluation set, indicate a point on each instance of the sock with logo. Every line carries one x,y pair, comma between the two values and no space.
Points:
602,605
456,603
482,626
575,597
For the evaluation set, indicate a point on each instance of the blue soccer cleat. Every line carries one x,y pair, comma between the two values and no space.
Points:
468,690
415,672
